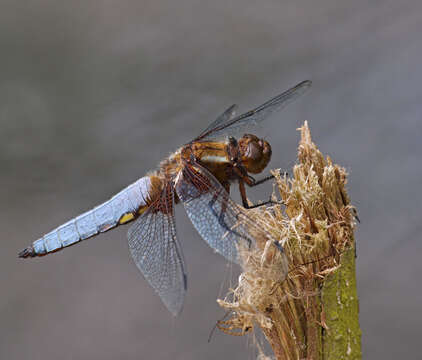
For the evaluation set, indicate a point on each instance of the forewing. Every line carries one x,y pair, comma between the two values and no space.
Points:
222,223
232,126
222,119
157,253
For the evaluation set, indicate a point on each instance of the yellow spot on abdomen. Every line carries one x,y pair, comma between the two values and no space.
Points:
126,217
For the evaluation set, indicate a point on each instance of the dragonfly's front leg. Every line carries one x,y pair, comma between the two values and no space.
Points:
244,178
245,202
254,182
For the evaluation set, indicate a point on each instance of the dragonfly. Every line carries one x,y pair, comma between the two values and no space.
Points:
198,175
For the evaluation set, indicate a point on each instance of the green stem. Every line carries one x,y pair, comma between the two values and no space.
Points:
341,307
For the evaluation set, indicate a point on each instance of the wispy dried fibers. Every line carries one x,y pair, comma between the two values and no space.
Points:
284,292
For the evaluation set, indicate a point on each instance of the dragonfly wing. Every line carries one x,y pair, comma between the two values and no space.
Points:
232,126
219,220
157,252
223,118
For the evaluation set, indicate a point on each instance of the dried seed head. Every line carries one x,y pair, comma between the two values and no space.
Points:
278,290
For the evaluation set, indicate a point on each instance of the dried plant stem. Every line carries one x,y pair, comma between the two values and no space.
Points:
313,312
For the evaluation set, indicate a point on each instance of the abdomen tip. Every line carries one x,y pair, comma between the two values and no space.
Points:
28,252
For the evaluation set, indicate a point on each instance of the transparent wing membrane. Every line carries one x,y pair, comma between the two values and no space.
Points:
231,126
157,253
222,223
223,118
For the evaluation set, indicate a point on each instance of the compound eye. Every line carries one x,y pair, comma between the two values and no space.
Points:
266,150
254,151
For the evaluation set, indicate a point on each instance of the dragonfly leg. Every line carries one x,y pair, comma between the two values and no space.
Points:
250,181
262,203
265,179
261,181
221,215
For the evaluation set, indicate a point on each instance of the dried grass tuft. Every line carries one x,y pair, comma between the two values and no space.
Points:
315,226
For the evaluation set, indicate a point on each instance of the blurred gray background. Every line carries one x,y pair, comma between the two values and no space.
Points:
93,94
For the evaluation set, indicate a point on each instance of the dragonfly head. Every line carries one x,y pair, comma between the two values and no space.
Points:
255,153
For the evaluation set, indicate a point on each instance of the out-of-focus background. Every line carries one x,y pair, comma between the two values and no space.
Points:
93,94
